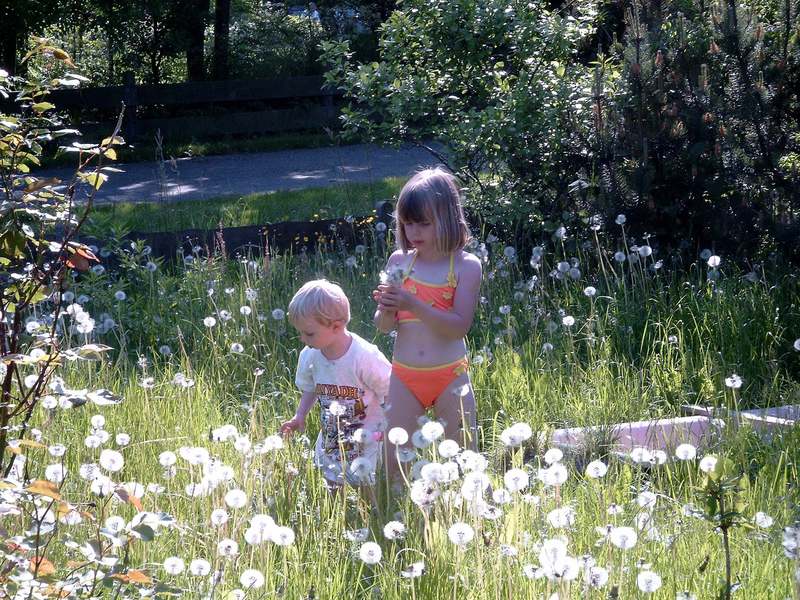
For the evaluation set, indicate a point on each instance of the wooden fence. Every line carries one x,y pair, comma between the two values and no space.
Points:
204,108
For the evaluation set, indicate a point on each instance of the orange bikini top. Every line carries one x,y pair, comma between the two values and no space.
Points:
437,295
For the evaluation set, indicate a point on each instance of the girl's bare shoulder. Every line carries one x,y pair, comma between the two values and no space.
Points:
467,264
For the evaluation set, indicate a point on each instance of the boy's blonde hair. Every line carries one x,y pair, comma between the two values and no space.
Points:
433,195
321,300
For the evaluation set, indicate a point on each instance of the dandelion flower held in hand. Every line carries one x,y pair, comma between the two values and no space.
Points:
432,430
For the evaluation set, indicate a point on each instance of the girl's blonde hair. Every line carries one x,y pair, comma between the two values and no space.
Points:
321,300
433,195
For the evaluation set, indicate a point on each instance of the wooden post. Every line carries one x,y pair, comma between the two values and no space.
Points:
130,100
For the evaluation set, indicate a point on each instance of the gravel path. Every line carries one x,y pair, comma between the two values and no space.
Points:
238,174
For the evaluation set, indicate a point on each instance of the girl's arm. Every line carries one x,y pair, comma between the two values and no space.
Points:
385,319
454,324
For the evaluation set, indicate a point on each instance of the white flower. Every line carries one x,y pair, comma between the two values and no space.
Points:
589,291
646,500
597,577
237,348
560,233
397,436
553,455
55,473
219,516
337,409
596,469
619,256
708,463
209,322
199,567
685,452
432,430
516,434
555,475
111,460
167,459
278,314
714,261
57,450
516,480
174,565
448,448
648,581
120,295
621,219
283,536
623,537
461,534
413,570
645,251
796,344
394,530
641,455
370,553
122,439
568,321
164,350
252,579
236,498
734,381
763,520
227,548
561,517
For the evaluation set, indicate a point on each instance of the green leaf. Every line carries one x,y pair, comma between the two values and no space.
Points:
144,532
40,107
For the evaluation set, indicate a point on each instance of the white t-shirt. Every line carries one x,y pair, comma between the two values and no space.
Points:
350,391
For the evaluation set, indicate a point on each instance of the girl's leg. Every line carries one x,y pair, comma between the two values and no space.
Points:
458,413
402,410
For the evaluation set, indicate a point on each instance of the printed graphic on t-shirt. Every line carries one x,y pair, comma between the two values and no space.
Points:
343,412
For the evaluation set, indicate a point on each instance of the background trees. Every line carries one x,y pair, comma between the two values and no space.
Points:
688,122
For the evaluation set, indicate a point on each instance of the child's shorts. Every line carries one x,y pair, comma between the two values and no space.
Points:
358,466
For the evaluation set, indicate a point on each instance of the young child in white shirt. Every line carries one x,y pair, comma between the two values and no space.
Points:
347,376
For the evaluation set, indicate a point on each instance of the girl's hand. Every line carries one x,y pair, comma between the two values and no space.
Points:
294,424
396,298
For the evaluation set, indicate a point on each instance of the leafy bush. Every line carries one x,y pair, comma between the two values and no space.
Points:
689,125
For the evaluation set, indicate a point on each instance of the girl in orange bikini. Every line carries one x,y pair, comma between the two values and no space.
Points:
431,308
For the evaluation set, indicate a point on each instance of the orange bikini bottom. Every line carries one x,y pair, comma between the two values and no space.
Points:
428,383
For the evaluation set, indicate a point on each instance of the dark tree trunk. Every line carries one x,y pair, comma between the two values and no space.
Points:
196,17
222,23
11,26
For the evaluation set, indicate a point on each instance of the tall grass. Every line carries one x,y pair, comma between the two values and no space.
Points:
643,344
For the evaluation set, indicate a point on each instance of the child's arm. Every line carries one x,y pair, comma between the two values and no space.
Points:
385,319
454,324
298,421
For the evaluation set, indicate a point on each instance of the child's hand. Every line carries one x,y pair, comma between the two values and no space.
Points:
294,424
396,298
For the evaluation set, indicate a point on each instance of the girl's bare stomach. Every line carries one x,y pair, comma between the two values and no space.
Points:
417,346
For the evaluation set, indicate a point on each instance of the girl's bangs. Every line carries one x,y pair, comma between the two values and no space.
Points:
413,205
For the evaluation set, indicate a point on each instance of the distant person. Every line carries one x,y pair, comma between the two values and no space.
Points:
429,296
347,377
